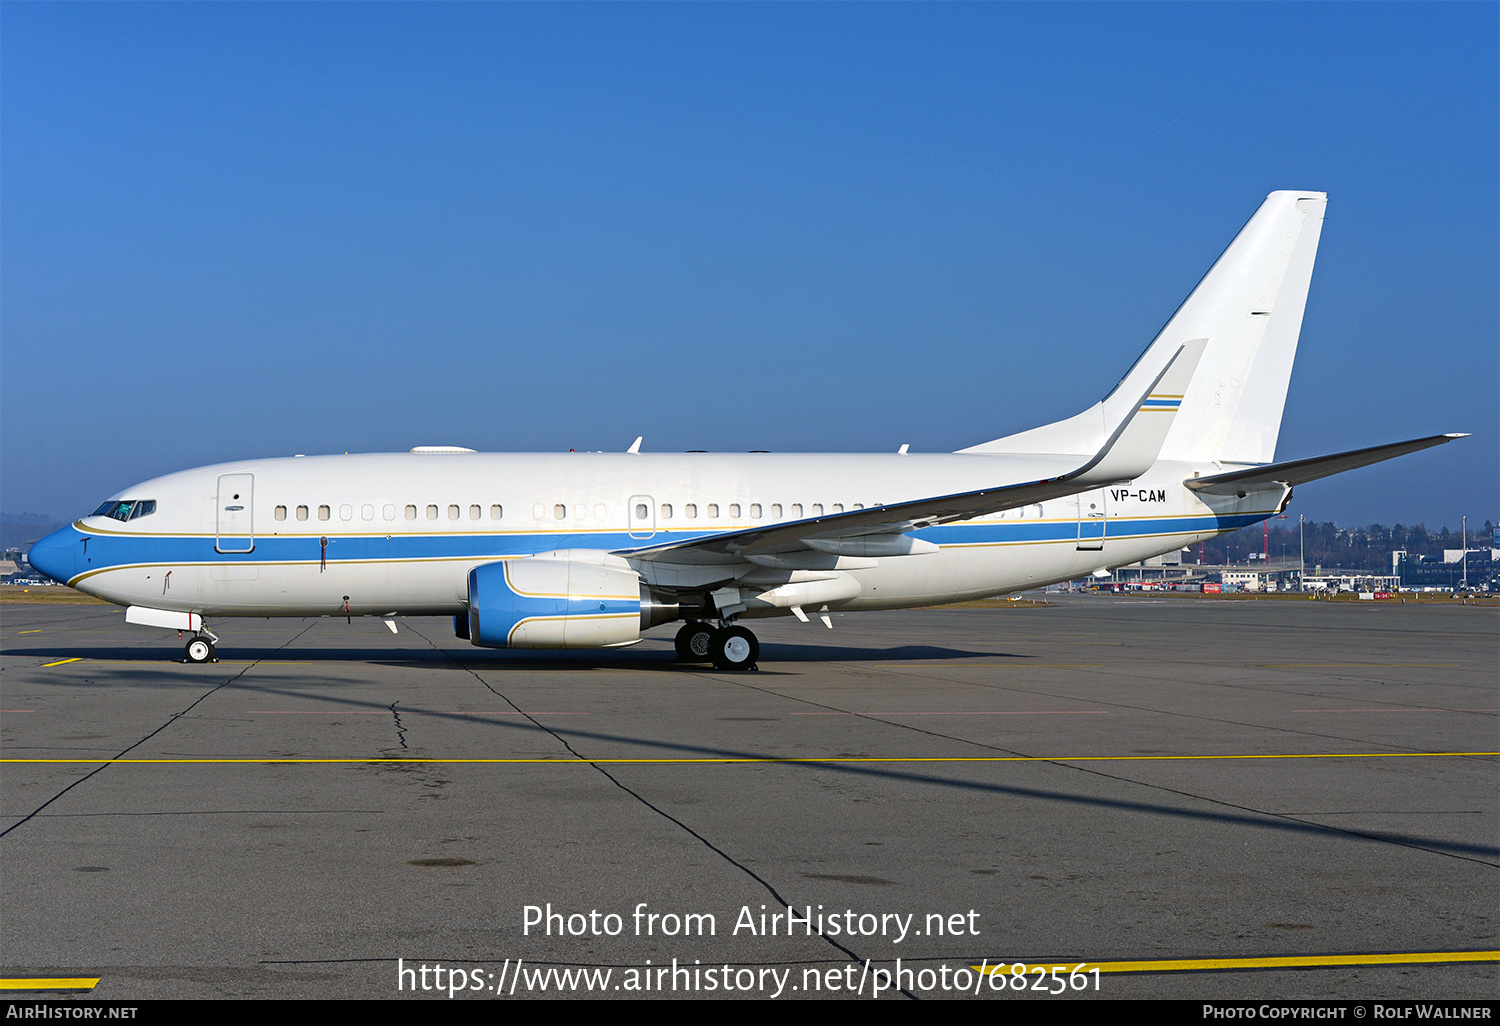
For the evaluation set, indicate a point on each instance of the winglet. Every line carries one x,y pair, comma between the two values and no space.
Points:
635,446
1138,439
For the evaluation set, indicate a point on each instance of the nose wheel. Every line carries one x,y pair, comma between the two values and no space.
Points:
199,650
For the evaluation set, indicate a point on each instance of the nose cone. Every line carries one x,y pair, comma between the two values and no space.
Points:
55,555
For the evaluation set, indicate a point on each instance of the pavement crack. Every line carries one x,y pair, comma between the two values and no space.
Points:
104,765
400,730
664,814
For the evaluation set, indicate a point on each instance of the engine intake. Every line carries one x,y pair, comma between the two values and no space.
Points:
575,598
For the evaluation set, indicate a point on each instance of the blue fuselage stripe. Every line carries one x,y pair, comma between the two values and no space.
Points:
105,551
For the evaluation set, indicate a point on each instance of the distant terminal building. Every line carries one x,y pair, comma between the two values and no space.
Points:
1349,579
1265,577
1169,571
1482,567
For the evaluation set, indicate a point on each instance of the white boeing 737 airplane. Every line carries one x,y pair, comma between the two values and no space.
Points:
587,550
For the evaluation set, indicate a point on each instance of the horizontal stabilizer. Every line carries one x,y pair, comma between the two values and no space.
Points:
1295,472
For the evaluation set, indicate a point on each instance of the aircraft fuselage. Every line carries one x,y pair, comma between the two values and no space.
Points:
399,533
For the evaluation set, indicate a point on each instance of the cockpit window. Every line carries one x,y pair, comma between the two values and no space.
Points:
126,509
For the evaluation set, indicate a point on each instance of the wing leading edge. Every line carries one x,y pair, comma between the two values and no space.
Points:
1130,451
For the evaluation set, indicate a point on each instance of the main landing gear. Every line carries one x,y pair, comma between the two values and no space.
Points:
200,648
729,647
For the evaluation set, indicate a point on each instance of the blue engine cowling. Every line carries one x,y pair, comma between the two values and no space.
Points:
569,599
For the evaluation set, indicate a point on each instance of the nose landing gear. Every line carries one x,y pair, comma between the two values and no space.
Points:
201,648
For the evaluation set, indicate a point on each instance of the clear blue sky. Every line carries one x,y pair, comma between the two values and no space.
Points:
240,230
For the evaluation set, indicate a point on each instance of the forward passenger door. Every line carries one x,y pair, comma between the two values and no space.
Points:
235,528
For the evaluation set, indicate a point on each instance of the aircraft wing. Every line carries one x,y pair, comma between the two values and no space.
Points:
1129,452
1295,472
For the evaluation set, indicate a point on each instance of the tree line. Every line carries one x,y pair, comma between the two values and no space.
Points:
1328,544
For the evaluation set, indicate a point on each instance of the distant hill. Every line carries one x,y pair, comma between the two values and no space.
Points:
19,530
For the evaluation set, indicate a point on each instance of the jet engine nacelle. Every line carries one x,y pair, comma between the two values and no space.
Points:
575,598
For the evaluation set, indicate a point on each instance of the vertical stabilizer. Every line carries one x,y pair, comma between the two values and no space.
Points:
1249,309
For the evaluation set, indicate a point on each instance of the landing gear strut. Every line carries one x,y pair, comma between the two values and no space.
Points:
200,649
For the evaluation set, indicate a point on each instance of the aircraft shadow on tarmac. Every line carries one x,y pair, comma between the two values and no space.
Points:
774,656
659,748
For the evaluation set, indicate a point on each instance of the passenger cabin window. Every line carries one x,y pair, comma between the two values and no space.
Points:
755,511
497,511
713,511
666,511
301,512
838,507
775,511
817,509
641,512
452,512
560,512
538,511
323,512
367,512
431,512
346,512
279,513
734,510
411,512
690,511
388,512
474,512
796,511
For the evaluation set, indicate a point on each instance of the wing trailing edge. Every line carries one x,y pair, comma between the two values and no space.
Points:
1295,472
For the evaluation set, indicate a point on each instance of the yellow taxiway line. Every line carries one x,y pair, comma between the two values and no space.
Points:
1180,965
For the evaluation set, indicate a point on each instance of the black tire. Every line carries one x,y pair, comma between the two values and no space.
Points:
695,642
198,650
735,648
